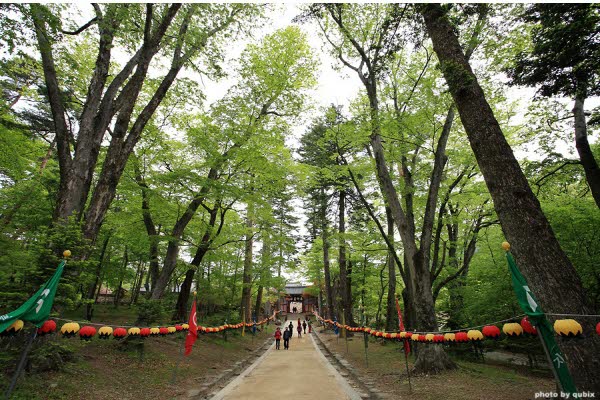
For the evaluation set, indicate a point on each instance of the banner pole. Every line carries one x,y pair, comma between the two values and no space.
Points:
21,364
174,376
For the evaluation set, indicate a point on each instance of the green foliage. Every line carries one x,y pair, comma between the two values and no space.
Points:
151,311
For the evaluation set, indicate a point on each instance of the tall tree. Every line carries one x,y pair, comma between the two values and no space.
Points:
547,269
564,60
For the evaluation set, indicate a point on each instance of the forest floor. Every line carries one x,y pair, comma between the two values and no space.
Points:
471,380
106,369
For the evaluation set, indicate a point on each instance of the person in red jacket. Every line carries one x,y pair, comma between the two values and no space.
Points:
277,338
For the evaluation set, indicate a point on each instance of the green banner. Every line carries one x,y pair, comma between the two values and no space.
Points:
37,309
536,316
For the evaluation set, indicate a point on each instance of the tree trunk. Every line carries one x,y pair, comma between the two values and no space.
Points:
259,296
89,308
326,272
590,166
549,272
121,275
345,291
391,316
247,275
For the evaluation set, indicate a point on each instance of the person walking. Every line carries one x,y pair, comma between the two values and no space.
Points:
277,338
299,329
286,338
291,328
304,326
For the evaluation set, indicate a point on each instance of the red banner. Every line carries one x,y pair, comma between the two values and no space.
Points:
192,334
401,326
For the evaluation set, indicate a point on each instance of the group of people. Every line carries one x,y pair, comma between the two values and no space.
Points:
288,333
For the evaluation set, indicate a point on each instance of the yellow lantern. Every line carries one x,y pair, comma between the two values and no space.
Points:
567,327
402,335
185,326
105,332
69,329
172,329
394,335
415,337
133,331
475,335
512,329
450,337
429,337
154,331
14,328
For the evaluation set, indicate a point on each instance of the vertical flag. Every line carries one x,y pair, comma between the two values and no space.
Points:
37,309
529,304
192,334
401,326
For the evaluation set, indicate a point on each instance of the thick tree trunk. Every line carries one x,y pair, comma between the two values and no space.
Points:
345,291
247,275
549,272
257,306
326,272
590,166
184,294
391,316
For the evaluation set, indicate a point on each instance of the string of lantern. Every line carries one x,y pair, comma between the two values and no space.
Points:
563,327
72,328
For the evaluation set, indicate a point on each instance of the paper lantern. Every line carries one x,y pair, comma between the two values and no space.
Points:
567,327
47,327
388,335
461,337
527,327
450,337
475,335
598,328
171,330
422,338
185,327
368,330
178,327
154,331
402,335
512,329
119,333
133,331
415,338
394,335
163,331
429,337
69,329
438,338
105,332
13,328
491,331
145,332
408,335
87,332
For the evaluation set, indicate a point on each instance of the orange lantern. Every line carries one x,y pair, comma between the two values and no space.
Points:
47,327
119,333
527,327
87,332
491,331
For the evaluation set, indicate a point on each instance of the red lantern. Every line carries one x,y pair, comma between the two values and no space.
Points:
388,335
527,327
178,328
438,338
87,332
119,333
163,331
145,332
491,331
47,327
461,337
408,335
598,328
422,338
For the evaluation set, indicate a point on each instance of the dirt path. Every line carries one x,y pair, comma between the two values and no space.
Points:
301,372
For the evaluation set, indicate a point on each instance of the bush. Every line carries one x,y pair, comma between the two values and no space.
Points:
151,311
